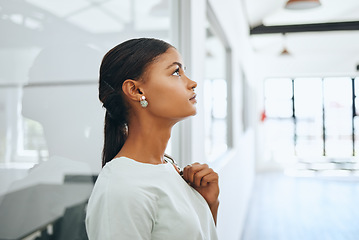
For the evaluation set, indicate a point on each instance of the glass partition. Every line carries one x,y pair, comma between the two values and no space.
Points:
51,120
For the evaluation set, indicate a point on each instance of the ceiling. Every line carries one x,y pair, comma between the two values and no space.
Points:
327,48
272,12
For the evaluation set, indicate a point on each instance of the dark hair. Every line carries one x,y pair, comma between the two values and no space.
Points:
127,60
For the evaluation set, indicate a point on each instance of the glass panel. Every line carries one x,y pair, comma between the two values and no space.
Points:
33,144
215,122
51,120
279,139
10,112
338,116
278,88
309,116
339,147
307,146
279,125
308,98
278,108
278,97
215,97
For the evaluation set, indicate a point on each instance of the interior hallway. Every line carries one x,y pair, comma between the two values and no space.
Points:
305,208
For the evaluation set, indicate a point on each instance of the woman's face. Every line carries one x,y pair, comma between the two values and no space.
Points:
169,92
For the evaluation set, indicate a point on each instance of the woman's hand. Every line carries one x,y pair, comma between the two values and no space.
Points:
204,180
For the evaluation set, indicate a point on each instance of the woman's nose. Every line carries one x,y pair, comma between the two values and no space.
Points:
192,84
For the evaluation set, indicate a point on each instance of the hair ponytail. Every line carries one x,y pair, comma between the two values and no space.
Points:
127,60
115,137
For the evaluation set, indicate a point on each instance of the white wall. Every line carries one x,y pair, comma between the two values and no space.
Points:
238,171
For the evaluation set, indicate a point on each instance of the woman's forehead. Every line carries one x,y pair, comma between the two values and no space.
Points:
168,59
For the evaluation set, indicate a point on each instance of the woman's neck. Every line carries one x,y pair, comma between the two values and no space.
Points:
146,143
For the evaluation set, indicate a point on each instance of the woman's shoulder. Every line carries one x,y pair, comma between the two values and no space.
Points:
127,177
117,191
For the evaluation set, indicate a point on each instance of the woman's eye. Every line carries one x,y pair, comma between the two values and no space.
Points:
176,73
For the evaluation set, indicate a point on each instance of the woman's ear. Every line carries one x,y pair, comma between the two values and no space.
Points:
131,89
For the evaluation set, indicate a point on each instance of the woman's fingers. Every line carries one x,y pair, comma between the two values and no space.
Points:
208,178
199,175
204,180
190,170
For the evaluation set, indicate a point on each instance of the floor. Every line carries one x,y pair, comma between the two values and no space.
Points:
290,208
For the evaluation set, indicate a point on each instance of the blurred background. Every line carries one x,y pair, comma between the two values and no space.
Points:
277,110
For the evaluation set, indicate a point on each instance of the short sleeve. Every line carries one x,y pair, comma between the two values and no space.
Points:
121,212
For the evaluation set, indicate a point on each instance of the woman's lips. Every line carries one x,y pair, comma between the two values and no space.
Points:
193,98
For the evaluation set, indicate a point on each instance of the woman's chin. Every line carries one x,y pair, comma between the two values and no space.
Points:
193,112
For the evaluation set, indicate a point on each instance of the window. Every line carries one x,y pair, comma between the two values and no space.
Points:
308,104
217,93
279,125
338,112
313,117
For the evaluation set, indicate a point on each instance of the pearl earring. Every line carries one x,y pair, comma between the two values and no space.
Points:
143,102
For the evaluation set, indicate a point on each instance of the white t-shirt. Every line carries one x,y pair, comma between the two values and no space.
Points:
136,201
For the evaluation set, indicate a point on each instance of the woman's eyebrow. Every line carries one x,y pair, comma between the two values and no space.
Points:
175,63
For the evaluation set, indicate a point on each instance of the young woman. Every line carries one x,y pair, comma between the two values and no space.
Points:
140,193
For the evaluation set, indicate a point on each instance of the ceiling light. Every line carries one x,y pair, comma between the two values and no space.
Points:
285,51
302,4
